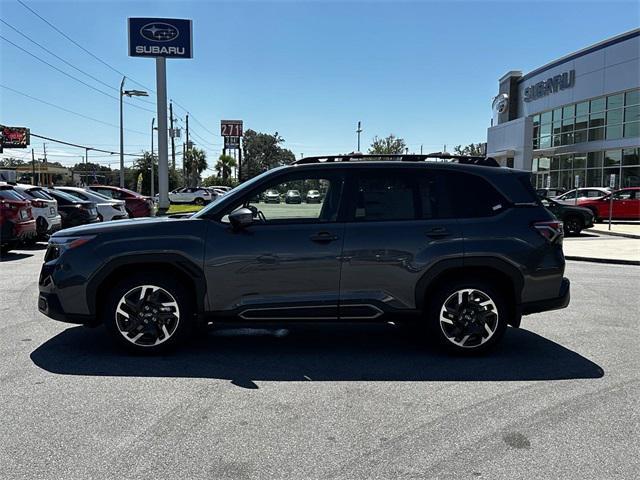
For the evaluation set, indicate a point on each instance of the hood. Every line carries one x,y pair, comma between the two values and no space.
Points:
97,228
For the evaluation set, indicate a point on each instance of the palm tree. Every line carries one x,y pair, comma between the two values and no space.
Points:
195,162
224,166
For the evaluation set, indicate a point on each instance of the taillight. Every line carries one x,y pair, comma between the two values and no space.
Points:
551,230
38,204
8,206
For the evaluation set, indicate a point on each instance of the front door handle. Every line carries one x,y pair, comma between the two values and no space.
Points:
323,237
438,232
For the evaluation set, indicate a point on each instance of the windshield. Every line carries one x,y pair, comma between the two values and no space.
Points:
7,194
234,191
39,193
64,196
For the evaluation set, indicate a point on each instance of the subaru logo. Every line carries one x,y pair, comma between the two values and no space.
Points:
159,32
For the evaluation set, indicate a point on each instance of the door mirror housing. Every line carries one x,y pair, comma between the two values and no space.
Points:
241,218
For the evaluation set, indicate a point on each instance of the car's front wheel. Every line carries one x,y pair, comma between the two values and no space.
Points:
468,317
148,313
199,201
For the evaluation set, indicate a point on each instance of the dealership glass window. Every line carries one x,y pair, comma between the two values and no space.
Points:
582,122
580,136
557,140
615,101
614,117
536,120
565,179
597,105
545,130
596,134
545,142
631,156
580,160
557,114
594,177
614,132
557,128
612,157
544,163
566,162
632,129
596,119
594,159
632,97
630,177
568,111
582,108
555,163
632,114
545,118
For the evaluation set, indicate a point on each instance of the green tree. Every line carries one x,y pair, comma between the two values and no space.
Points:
224,167
216,180
11,162
473,149
195,162
387,145
262,152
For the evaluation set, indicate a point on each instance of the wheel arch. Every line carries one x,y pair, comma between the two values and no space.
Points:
170,263
506,276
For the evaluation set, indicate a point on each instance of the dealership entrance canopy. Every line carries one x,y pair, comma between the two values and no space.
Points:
575,121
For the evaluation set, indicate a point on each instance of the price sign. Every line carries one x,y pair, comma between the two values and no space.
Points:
231,128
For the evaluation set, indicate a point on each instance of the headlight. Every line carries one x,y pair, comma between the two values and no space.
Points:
58,245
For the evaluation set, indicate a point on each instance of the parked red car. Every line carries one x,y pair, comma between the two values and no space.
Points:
625,205
16,219
136,205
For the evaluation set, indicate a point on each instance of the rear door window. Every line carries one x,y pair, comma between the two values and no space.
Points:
475,197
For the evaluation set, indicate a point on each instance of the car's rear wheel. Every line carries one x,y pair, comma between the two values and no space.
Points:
573,225
199,201
468,317
148,313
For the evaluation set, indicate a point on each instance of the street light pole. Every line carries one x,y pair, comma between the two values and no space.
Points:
121,135
153,121
358,131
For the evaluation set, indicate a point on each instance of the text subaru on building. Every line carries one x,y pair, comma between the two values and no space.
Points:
390,239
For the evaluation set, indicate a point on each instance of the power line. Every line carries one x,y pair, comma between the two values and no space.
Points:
70,111
80,46
107,64
71,76
81,146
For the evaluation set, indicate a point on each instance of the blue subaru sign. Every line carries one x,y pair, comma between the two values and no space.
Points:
160,37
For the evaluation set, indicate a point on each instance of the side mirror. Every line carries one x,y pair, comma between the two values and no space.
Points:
241,218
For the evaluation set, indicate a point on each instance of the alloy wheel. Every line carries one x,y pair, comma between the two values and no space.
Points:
468,318
147,315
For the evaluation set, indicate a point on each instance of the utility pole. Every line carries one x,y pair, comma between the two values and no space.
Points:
121,136
153,121
173,141
359,131
33,168
420,149
86,165
46,177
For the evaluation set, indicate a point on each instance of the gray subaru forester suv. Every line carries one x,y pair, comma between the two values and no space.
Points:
461,248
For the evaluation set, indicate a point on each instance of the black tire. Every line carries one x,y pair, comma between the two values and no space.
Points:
199,201
144,321
573,225
595,215
470,321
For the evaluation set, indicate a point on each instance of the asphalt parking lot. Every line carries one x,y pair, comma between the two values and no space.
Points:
559,399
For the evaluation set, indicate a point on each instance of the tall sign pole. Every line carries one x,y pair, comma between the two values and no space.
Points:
161,38
163,143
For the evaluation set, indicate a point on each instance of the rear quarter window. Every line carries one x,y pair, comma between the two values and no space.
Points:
473,196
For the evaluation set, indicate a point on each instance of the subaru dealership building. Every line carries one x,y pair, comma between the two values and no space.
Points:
574,121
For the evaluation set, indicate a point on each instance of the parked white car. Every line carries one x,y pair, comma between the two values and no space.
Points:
569,198
196,195
44,208
108,208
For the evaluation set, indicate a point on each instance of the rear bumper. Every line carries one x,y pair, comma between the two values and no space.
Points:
556,303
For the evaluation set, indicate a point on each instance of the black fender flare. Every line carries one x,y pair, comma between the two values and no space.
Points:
176,260
446,265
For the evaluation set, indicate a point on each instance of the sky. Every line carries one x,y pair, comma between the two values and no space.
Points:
425,71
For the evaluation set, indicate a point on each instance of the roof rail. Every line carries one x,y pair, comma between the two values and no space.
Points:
444,156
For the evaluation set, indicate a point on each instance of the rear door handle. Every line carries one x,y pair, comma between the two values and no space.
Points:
438,232
323,237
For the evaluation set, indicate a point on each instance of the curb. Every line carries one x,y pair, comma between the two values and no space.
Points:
613,234
613,261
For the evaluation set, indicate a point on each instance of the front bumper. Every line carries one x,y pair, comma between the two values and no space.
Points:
556,303
49,304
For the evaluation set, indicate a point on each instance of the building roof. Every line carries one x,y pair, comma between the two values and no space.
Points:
593,48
